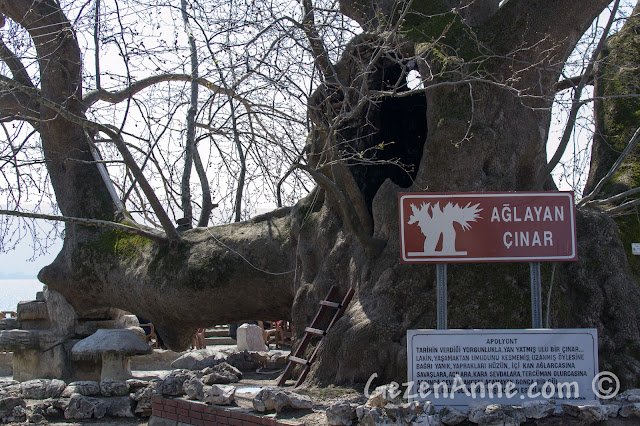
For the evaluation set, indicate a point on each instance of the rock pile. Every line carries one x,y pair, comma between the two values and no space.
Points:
35,400
39,400
241,360
271,398
381,410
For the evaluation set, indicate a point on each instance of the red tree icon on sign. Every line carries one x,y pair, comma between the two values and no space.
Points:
435,221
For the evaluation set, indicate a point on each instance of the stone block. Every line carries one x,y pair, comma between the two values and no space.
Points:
32,310
250,338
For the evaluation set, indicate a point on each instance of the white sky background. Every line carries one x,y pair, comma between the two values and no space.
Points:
20,264
29,255
571,175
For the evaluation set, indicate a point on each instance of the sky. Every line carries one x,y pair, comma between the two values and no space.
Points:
16,266
20,264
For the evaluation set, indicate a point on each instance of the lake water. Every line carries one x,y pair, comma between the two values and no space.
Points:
13,291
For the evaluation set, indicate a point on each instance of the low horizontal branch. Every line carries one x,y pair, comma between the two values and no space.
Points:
611,199
155,236
619,210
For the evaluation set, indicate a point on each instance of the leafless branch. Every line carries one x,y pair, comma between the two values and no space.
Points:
15,65
613,199
190,142
633,142
155,236
571,83
167,224
576,103
623,208
318,48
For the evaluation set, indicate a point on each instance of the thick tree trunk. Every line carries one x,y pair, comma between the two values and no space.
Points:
594,292
487,135
478,148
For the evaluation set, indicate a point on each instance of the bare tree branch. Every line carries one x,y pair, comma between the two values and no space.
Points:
96,42
190,142
622,208
115,97
633,142
576,104
167,224
612,199
15,105
318,49
104,174
118,96
207,203
15,65
12,103
284,177
573,82
91,222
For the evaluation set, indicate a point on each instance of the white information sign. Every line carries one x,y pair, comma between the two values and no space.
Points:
457,367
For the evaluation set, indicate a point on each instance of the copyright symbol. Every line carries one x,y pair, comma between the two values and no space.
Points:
605,385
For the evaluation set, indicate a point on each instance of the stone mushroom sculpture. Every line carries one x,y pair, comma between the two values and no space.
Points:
114,346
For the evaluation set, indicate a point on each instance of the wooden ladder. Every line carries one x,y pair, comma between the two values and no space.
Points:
326,305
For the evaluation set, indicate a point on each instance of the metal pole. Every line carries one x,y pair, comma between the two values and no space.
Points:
441,284
536,295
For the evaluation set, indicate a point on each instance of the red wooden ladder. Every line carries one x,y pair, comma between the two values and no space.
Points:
326,305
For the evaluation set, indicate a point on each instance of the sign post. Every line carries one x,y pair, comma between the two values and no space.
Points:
477,227
441,284
527,365
536,295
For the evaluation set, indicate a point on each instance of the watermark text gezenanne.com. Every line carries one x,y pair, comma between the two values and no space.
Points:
605,385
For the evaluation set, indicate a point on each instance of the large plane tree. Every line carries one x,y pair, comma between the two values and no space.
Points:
474,116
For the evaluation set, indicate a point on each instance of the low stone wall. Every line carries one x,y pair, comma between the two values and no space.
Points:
183,399
41,400
160,359
622,410
171,412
